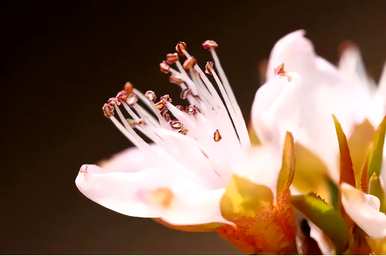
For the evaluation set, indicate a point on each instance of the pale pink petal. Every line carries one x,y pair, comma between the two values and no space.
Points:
292,50
304,102
351,66
129,160
151,193
363,209
261,166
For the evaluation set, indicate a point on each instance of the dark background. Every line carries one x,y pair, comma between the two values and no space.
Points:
61,61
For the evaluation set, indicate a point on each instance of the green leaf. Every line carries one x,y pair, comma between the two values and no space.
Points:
326,217
346,167
287,171
243,198
376,150
359,142
375,189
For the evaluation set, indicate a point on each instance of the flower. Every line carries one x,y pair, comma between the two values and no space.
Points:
302,99
199,171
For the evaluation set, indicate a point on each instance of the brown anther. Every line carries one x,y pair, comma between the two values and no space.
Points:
164,67
183,131
181,47
160,105
280,71
166,98
175,80
122,96
108,110
192,109
217,136
165,114
181,108
209,67
208,44
113,101
150,95
132,99
185,93
128,88
171,58
189,63
175,124
136,122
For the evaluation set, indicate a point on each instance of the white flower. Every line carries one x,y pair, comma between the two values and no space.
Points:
181,175
303,99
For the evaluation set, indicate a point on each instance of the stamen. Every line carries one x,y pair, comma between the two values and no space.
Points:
171,58
164,67
217,136
209,67
131,99
181,47
175,124
175,80
208,44
185,93
128,88
108,110
189,63
122,96
239,119
150,95
280,71
183,131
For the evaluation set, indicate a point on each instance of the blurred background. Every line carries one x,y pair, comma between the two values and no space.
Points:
61,61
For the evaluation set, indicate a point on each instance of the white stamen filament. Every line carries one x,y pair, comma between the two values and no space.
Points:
244,137
212,119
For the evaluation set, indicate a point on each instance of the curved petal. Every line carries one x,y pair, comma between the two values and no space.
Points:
151,193
293,50
304,104
363,209
324,243
351,66
261,166
129,160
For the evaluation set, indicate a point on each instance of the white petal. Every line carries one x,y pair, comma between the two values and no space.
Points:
294,51
138,194
304,104
351,66
363,209
324,243
261,166
129,160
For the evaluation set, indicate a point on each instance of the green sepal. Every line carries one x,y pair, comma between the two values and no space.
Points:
243,198
345,163
376,150
375,189
326,217
287,171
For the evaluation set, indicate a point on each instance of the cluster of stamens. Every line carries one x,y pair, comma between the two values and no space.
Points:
196,89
